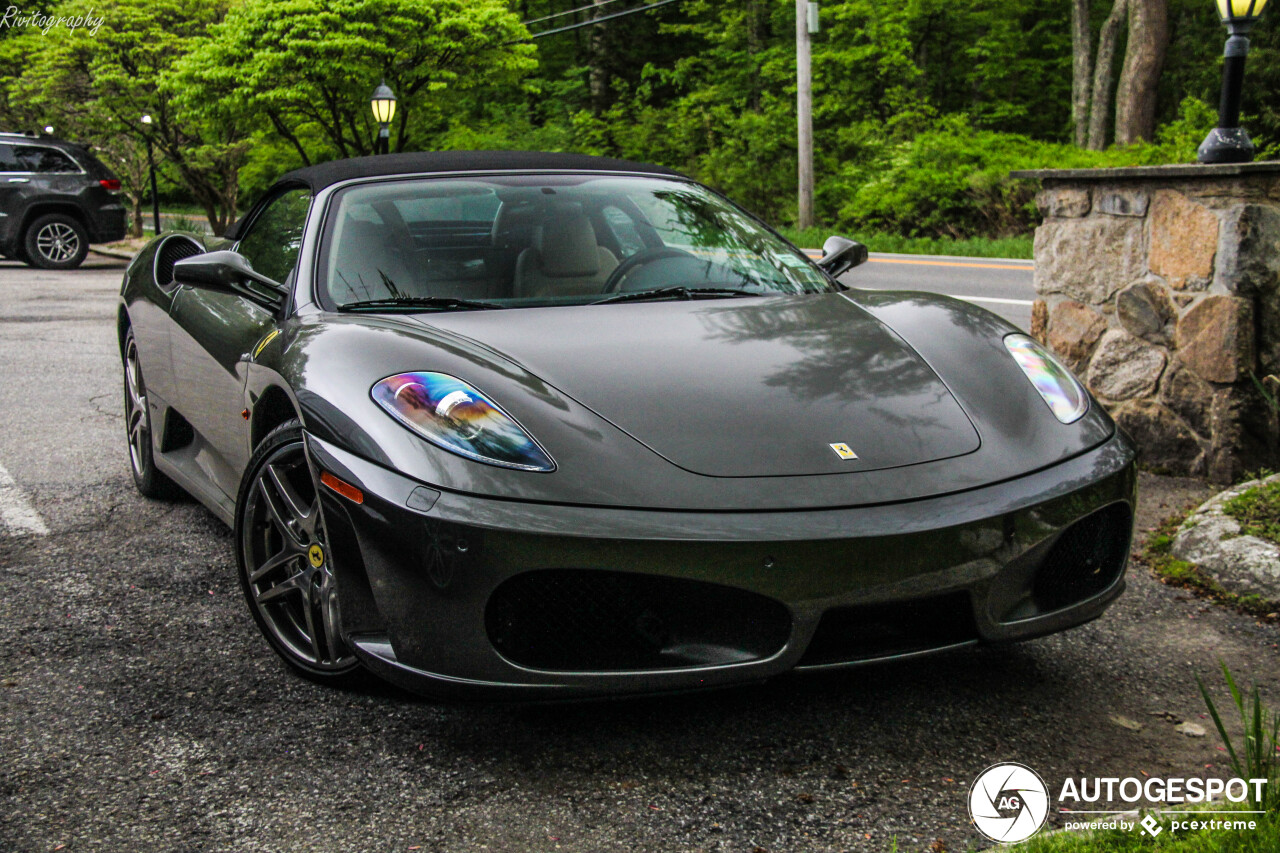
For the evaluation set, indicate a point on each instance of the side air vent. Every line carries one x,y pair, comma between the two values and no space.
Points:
172,249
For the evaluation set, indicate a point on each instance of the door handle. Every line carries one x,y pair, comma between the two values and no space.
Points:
19,180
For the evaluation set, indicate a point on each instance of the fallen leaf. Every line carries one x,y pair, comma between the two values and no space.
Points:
1126,723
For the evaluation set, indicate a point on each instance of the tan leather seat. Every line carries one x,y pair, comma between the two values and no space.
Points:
564,259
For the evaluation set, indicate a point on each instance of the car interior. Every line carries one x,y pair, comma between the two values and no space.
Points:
482,246
544,243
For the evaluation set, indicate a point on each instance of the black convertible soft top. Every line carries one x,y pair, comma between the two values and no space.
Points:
321,175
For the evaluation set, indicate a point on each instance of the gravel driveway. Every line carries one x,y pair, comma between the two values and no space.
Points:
143,712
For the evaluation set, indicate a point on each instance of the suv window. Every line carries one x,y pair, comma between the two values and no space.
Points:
275,237
37,158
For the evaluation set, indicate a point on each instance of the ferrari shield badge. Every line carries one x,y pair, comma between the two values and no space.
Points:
844,451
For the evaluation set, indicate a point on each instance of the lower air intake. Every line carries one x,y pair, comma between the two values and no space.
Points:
583,620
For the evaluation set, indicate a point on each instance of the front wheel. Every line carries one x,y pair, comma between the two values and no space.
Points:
56,242
284,560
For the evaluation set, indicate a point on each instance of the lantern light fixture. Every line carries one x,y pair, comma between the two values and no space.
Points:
1229,142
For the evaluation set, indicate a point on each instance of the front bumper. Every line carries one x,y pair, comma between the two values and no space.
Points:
417,572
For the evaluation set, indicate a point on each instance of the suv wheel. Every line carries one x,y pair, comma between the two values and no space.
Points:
55,241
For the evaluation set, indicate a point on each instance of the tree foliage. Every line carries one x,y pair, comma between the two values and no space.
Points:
308,66
921,108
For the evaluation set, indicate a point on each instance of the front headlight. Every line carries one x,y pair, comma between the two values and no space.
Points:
1064,394
452,415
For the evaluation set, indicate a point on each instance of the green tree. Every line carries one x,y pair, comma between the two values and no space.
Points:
307,67
98,87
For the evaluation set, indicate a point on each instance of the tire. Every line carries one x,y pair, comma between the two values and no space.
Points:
55,241
283,560
137,429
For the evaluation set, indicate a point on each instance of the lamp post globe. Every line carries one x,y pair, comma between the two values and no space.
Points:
383,102
1229,142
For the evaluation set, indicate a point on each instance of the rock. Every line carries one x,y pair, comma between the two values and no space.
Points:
1089,259
1247,261
1122,202
1242,427
1126,723
1190,729
1073,329
1189,398
1124,367
1215,338
1065,202
1162,438
1040,321
1145,310
1211,539
1184,240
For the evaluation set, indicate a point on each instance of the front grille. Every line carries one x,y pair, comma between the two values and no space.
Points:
869,631
1085,560
586,620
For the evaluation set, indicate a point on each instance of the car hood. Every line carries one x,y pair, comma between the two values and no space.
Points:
746,387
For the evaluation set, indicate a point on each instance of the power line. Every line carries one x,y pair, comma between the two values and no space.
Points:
595,21
569,12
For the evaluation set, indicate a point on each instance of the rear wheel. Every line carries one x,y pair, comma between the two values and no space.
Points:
56,241
284,561
137,425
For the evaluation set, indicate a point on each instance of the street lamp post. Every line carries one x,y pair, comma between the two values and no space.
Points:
151,164
1229,142
383,102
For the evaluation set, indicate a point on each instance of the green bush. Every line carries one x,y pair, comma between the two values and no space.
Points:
952,180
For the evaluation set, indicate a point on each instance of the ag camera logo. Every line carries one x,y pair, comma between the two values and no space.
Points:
1008,802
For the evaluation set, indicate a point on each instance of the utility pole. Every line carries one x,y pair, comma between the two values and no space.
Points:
806,21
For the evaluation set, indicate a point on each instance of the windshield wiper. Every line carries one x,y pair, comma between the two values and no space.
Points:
430,303
678,292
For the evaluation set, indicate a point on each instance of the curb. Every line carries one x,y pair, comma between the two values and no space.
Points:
111,253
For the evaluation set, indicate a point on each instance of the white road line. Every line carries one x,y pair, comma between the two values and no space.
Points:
19,516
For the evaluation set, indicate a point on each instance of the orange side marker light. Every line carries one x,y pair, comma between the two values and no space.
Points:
347,490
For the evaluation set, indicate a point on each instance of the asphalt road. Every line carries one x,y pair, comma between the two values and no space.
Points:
140,710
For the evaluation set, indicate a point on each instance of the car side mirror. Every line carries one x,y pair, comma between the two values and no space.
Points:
229,272
840,254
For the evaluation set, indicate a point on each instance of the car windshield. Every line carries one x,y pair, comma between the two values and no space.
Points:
537,240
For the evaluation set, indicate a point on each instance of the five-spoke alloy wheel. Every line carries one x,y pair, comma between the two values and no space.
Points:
56,241
285,561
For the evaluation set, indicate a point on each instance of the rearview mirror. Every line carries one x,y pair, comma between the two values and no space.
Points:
229,272
840,254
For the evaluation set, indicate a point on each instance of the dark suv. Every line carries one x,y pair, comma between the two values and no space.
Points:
55,199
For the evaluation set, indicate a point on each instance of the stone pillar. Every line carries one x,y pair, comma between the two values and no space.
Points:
1160,287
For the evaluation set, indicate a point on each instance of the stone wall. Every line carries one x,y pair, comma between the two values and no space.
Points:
1160,287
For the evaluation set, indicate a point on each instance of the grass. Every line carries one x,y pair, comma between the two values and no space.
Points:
1258,511
974,247
1169,570
1256,757
1253,756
